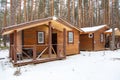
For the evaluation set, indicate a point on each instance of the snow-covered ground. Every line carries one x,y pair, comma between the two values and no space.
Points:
100,65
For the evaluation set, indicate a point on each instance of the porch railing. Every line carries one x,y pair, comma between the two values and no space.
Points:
26,53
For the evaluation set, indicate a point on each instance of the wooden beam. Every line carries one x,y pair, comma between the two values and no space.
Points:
50,38
79,42
34,52
37,61
64,42
42,53
10,51
11,43
93,42
15,46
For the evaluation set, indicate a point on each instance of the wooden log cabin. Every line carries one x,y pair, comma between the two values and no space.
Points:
92,38
108,36
42,40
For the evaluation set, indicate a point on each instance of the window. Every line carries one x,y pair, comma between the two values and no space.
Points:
90,35
70,37
40,37
101,37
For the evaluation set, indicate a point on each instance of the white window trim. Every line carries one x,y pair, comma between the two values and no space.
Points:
101,37
42,37
72,38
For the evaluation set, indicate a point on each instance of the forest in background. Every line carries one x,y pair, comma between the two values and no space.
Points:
81,13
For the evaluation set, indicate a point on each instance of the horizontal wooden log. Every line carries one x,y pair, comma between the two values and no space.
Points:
37,61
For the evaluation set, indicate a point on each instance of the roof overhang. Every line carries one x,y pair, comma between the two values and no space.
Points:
94,30
23,26
56,23
117,32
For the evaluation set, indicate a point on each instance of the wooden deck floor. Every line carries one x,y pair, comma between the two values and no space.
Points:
43,58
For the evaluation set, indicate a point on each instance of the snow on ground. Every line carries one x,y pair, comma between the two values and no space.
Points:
100,65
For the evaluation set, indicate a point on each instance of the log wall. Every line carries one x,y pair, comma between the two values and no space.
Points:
86,43
30,38
98,45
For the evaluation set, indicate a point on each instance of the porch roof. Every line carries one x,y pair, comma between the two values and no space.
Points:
117,32
93,29
57,23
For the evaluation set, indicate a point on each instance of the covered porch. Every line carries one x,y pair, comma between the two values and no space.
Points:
29,55
22,54
108,36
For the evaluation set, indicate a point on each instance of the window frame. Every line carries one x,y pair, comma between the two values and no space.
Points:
101,37
43,37
70,42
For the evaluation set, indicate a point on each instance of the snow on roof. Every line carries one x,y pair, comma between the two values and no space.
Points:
91,29
110,30
35,23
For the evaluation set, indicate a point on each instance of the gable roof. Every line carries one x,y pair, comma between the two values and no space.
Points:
93,29
55,21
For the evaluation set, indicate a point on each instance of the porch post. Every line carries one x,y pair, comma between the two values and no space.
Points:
93,42
50,39
34,52
79,43
64,42
11,47
15,46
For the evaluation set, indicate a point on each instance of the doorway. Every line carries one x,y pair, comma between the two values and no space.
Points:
54,42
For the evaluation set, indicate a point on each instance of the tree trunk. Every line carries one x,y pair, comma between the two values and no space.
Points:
52,7
25,12
73,12
31,16
13,11
113,26
79,13
44,1
68,6
19,12
5,24
61,10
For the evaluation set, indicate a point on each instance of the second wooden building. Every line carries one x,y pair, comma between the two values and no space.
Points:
92,38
